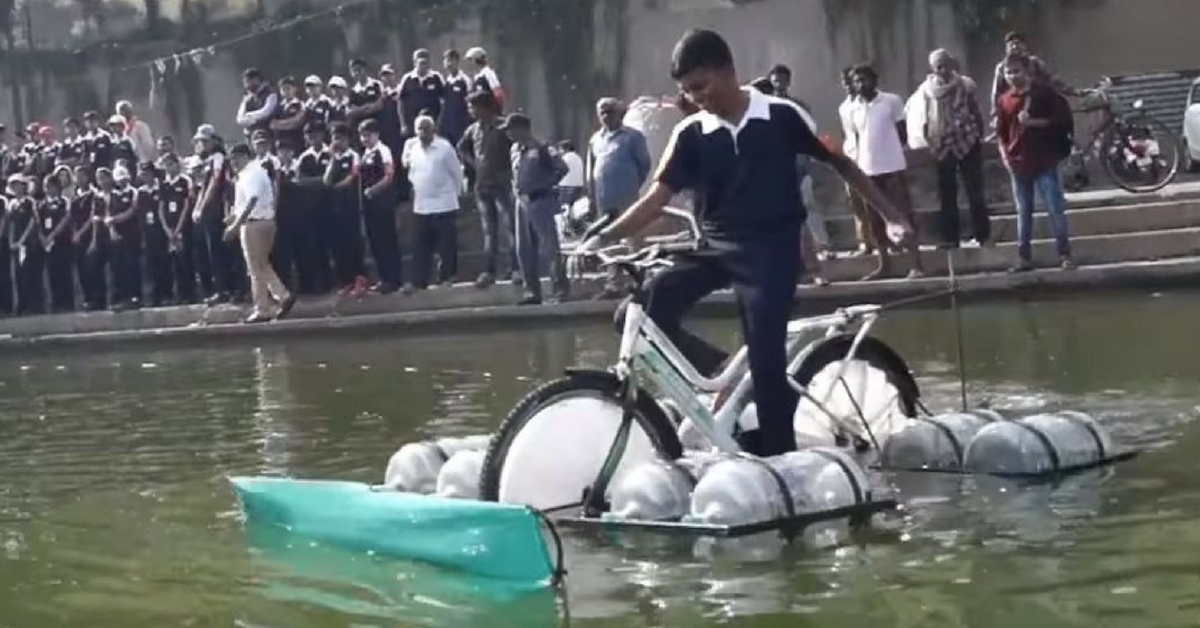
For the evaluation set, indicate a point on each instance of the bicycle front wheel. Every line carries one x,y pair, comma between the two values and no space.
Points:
1141,155
554,443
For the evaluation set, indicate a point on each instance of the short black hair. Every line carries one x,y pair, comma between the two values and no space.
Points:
92,115
763,84
1014,36
370,125
252,73
358,63
341,129
483,98
167,138
567,146
242,149
781,70
287,80
451,53
71,121
700,49
865,69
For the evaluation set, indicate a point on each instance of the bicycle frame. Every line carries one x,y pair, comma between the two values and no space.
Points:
647,352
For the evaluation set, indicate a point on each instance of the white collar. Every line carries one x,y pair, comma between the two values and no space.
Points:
758,109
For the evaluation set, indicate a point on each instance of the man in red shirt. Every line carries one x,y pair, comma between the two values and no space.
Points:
1030,131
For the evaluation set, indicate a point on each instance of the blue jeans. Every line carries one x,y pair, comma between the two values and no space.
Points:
1047,185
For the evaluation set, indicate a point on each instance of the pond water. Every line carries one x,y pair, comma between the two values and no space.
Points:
114,510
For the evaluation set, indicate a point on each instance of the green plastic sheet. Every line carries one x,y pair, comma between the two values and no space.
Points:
484,539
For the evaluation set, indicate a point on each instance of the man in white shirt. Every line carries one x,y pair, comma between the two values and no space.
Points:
877,129
571,187
253,220
138,133
437,179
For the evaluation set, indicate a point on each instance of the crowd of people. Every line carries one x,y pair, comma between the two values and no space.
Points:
325,165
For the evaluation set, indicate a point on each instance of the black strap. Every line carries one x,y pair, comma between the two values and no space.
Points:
948,433
691,478
1101,453
437,449
860,496
780,483
1046,442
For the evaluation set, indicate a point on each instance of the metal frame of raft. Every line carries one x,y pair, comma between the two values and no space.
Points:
789,527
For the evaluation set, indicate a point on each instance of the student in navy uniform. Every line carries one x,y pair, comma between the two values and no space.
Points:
97,143
421,92
214,255
315,223
317,105
485,79
55,235
176,191
366,95
288,122
155,236
26,248
455,117
738,155
125,242
342,180
71,149
339,101
85,238
390,128
122,146
6,286
285,256
377,170
47,153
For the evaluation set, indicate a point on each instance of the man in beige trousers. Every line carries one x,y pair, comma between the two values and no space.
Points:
253,219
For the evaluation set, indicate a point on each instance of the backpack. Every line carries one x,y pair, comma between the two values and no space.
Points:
1063,127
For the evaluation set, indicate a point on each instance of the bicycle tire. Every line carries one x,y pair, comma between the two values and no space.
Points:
1161,134
647,415
874,352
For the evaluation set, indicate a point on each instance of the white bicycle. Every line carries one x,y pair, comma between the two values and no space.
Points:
564,443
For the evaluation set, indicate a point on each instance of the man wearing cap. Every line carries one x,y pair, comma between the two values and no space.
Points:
259,103
537,169
485,78
289,118
421,92
455,117
253,221
317,105
138,132
485,148
366,94
339,101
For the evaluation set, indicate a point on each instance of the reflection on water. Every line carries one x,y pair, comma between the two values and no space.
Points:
114,510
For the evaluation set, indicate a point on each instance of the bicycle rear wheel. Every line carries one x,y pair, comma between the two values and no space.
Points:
555,441
1141,155
873,398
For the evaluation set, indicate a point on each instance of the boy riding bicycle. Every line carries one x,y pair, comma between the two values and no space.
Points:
738,156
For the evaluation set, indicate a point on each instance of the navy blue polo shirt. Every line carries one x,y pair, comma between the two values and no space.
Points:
744,176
